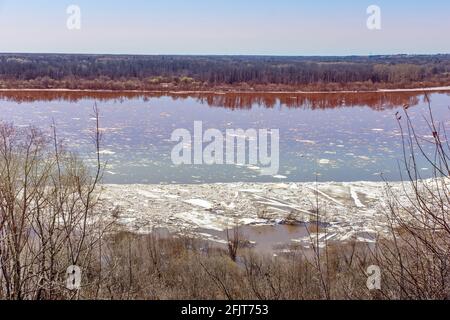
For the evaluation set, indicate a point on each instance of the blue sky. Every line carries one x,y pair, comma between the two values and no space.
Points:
276,27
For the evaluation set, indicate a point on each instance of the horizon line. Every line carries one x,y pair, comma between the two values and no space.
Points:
229,54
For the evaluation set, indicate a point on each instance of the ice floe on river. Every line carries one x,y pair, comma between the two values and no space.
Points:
354,210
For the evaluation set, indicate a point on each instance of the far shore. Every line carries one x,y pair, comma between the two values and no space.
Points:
399,90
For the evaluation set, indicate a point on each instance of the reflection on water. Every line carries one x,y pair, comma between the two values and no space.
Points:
264,238
339,137
372,100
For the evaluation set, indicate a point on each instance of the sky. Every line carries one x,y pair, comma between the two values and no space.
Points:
242,27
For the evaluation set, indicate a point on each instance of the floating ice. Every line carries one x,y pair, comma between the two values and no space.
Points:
279,176
306,141
351,211
107,152
200,203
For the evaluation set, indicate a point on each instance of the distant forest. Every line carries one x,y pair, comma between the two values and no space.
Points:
254,73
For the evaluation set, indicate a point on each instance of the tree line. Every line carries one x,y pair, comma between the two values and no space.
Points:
51,69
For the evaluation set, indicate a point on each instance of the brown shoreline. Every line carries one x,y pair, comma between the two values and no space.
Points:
137,91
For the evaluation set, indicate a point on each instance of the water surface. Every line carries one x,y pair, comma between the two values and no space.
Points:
325,137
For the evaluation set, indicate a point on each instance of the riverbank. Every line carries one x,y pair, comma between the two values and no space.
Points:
230,90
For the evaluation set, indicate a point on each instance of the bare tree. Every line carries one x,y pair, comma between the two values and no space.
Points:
416,259
47,197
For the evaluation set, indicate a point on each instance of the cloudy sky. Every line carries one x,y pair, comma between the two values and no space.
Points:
275,27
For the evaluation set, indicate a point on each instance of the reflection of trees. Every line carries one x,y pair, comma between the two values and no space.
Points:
70,96
374,100
377,101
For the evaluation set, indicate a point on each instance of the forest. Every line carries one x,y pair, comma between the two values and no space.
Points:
252,73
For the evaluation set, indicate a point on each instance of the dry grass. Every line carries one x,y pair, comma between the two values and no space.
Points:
147,267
